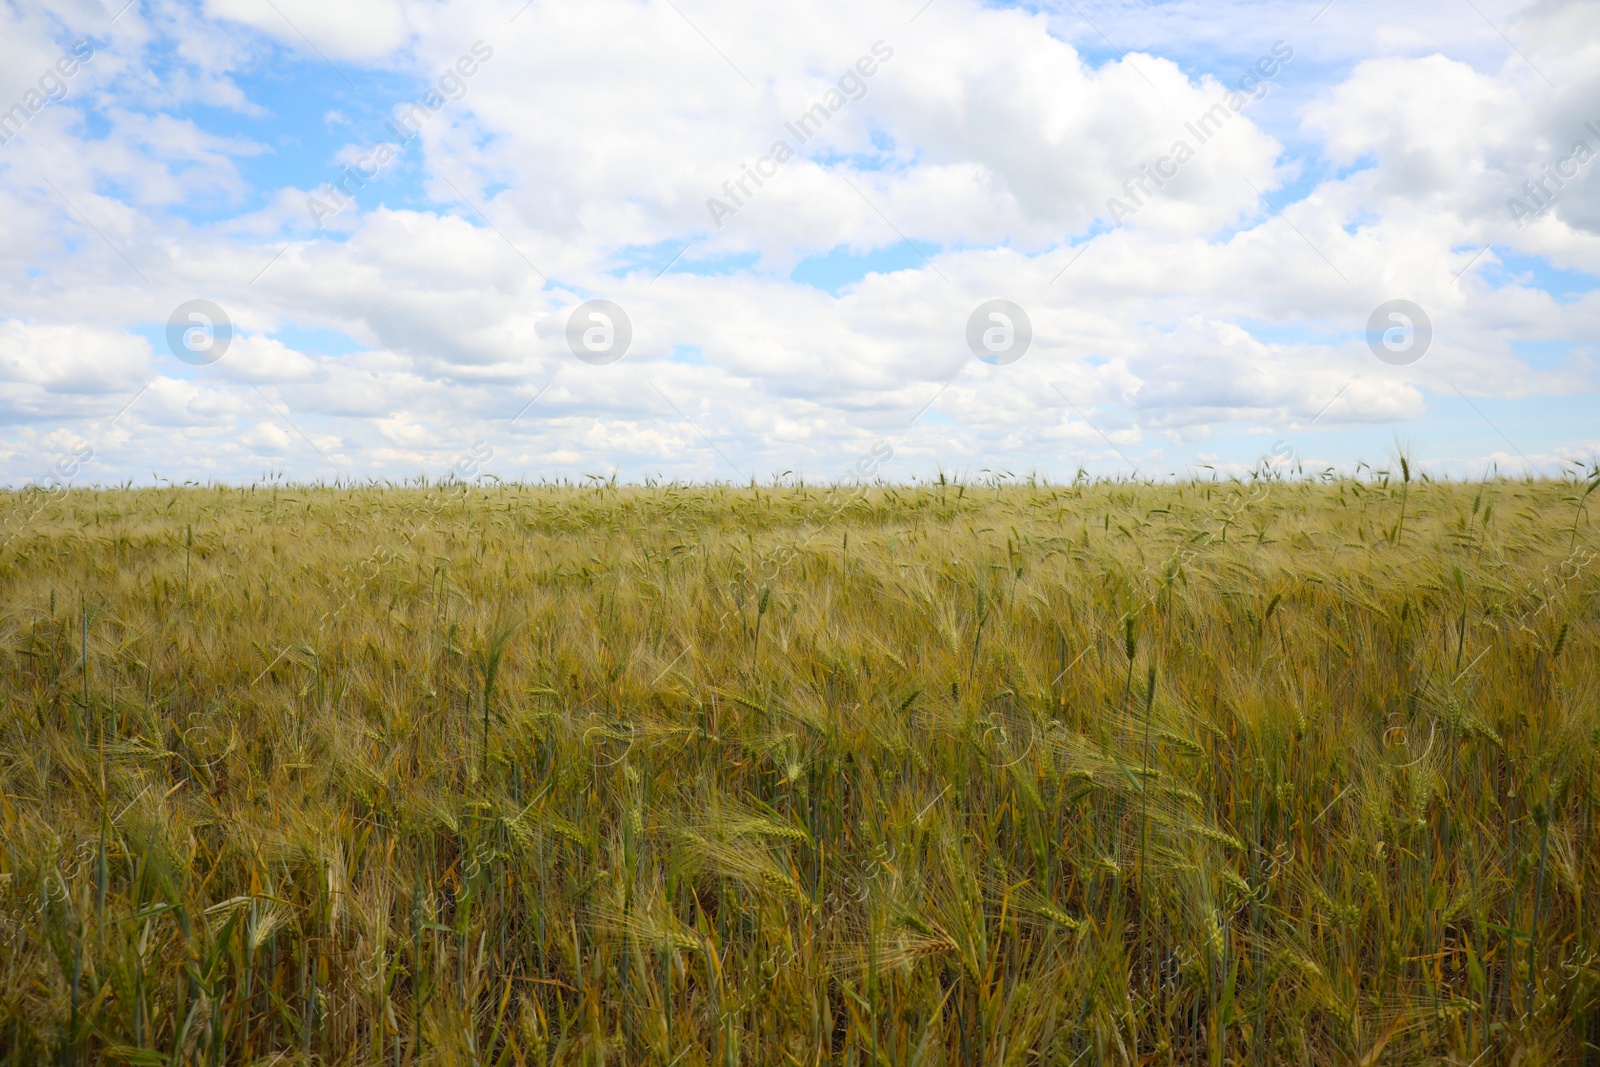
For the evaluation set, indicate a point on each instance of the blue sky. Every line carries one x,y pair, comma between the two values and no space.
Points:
1212,318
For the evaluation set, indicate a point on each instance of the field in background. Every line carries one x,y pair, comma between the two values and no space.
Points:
1250,772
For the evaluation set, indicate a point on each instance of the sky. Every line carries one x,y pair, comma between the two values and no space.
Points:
697,240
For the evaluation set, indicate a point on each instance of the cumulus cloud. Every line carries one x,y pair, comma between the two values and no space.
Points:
351,29
1199,229
71,359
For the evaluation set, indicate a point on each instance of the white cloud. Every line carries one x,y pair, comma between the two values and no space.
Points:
987,142
350,29
70,360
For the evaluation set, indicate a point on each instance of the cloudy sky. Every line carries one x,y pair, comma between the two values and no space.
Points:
708,239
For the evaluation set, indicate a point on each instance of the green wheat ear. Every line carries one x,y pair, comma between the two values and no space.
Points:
489,669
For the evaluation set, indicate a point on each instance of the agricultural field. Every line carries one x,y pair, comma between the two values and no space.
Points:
1250,771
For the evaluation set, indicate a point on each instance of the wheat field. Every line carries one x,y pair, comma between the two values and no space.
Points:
1240,771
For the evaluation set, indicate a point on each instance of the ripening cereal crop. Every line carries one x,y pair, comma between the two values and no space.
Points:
1251,771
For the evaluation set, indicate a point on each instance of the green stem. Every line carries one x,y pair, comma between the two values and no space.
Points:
1533,926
